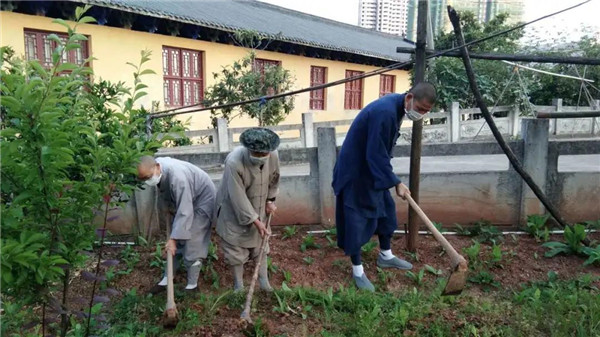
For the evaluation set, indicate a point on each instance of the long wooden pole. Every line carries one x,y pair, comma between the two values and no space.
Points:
417,129
512,158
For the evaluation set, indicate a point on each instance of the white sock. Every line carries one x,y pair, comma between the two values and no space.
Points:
191,286
358,271
163,282
387,254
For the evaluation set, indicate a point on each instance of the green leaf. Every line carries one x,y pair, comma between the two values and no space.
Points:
62,23
66,67
87,19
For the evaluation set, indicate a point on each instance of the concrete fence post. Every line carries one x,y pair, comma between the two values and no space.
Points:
596,120
454,122
222,136
308,127
514,121
327,156
557,103
535,162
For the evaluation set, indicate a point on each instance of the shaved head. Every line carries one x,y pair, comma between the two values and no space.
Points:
147,167
424,92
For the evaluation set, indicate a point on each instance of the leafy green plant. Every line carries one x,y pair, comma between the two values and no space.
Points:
592,224
482,231
309,243
485,279
208,268
573,236
272,267
67,150
593,255
243,80
157,258
472,252
308,260
417,278
289,232
536,226
369,247
433,270
496,256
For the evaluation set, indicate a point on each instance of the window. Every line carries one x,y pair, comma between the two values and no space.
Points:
386,84
39,47
260,65
318,75
183,76
353,96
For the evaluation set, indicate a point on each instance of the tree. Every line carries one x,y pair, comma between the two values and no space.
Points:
244,80
68,146
499,83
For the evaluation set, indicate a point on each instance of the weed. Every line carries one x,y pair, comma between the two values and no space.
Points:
289,232
536,226
592,224
482,231
340,263
383,275
272,267
309,242
330,241
368,247
485,279
573,237
472,252
414,256
417,278
130,257
496,255
593,255
433,270
157,259
208,267
308,260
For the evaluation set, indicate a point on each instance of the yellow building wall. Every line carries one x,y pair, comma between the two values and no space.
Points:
113,47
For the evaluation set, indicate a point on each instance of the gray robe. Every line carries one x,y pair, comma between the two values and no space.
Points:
242,197
189,194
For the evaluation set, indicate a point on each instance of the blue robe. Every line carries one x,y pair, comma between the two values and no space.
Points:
363,174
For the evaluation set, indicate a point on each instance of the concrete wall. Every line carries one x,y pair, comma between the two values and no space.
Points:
450,197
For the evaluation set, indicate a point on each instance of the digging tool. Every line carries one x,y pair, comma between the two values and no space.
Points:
171,316
458,277
245,317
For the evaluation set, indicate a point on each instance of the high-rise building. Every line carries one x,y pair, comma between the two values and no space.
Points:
388,16
484,10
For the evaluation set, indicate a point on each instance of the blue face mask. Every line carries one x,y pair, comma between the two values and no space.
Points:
411,113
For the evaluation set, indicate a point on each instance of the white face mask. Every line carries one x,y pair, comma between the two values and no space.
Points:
258,160
154,180
411,113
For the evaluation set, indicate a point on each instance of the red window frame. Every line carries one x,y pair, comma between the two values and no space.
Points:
183,76
39,47
386,84
318,75
353,91
260,65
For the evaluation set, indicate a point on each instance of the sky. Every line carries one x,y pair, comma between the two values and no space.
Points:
566,23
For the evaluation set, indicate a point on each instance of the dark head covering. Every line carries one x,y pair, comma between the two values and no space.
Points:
260,140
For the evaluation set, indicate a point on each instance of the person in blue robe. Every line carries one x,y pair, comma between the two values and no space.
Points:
363,176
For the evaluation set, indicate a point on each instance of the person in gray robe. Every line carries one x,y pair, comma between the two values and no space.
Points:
245,197
189,194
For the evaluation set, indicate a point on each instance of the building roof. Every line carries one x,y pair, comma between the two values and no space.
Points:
273,21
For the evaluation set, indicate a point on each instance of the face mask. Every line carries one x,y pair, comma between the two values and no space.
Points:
154,180
412,114
259,160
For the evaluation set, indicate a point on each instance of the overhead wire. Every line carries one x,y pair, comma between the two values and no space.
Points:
174,111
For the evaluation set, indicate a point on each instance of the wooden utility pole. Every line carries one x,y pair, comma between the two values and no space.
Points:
417,129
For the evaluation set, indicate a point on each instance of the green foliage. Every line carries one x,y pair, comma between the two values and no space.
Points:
289,231
433,270
448,74
482,231
369,247
68,148
593,255
418,277
243,81
573,246
309,243
308,260
157,259
208,268
536,226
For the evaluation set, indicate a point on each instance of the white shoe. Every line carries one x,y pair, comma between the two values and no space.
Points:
191,286
163,282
